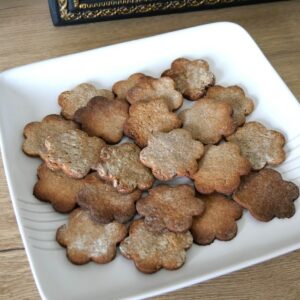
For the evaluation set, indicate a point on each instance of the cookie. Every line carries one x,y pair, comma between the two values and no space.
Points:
236,98
122,87
152,251
220,169
151,88
72,100
208,120
218,220
147,117
172,154
87,240
57,188
104,203
192,77
35,133
259,145
103,118
171,208
266,195
73,152
121,166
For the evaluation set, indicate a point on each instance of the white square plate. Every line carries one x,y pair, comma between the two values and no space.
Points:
29,93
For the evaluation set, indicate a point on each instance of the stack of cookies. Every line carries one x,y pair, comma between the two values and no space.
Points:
117,192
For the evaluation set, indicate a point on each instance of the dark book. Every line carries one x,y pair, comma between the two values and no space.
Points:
65,12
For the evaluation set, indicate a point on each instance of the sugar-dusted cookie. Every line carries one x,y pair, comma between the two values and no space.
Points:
147,117
259,145
72,151
103,118
122,87
236,98
57,188
266,195
208,120
218,220
220,169
172,154
192,77
152,88
121,165
87,240
152,251
171,208
72,100
104,202
35,133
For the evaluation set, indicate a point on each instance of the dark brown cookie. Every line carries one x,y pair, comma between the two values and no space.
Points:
87,240
220,169
35,133
266,195
192,78
152,251
171,208
103,118
218,220
104,202
121,165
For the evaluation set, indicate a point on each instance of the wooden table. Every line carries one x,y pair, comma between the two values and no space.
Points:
27,35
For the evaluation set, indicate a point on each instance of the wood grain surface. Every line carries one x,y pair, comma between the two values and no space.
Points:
27,35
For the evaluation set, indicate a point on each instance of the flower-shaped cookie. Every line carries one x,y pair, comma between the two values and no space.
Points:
121,165
152,251
147,117
87,240
72,100
218,220
172,154
192,78
208,120
72,151
103,118
171,208
266,195
104,202
220,169
35,133
236,98
152,88
260,145
57,188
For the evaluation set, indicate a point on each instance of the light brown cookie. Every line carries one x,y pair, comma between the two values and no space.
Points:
104,203
87,240
103,118
266,195
72,100
218,220
152,251
121,165
35,133
147,117
192,77
220,169
259,145
151,88
73,152
171,208
208,120
57,188
172,154
122,87
236,98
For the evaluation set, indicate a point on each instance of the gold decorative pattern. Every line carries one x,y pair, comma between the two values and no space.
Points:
139,8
